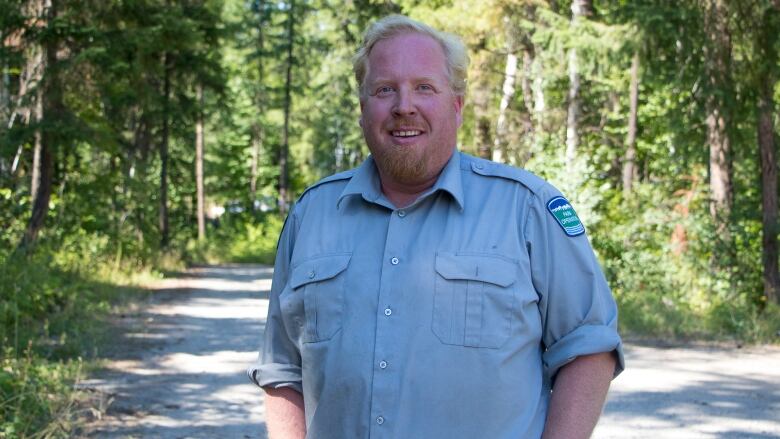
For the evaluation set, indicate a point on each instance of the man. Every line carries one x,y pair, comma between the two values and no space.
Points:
430,294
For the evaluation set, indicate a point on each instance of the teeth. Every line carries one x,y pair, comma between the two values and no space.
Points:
406,133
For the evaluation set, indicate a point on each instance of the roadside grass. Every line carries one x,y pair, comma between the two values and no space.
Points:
56,306
57,303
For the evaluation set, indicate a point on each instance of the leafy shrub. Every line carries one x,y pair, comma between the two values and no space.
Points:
54,304
239,238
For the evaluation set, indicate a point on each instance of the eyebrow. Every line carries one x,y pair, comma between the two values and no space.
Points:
381,80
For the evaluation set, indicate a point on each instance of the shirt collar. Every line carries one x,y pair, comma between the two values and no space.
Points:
365,182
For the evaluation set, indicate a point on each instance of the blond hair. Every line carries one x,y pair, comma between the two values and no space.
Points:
393,25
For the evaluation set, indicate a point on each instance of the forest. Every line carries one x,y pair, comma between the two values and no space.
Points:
138,136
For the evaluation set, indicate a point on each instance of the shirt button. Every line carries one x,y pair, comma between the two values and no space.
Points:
388,311
394,261
380,420
383,364
402,213
311,275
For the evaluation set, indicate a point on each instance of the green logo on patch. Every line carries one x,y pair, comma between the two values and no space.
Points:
565,215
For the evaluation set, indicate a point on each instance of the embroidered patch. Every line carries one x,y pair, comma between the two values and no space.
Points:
562,211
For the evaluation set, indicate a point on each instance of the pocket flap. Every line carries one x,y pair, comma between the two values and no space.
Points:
319,269
493,269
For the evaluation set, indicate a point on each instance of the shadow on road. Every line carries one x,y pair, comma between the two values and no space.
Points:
694,393
178,370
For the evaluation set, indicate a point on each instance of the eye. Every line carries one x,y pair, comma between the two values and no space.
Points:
426,88
384,90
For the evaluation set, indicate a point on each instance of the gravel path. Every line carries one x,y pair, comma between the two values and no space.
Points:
179,373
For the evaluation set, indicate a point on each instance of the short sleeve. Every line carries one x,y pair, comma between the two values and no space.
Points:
579,314
279,362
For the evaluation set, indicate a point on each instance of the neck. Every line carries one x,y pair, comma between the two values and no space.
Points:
402,195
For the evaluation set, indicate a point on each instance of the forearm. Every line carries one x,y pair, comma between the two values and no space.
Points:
578,396
284,414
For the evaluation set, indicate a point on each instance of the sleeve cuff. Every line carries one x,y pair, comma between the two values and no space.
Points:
585,340
276,376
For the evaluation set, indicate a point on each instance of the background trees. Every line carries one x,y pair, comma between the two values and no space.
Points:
129,129
139,121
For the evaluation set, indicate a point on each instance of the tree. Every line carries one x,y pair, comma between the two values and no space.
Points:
284,150
765,108
717,52
580,10
48,107
629,161
201,214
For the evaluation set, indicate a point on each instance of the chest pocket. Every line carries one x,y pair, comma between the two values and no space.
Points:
321,283
473,300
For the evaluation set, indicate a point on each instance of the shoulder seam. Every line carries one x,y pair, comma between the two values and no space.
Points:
489,168
346,175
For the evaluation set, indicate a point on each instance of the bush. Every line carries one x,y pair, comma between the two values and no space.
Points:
38,397
54,305
239,238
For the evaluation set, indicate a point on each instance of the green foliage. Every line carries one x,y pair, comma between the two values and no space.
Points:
55,306
246,238
37,396
673,273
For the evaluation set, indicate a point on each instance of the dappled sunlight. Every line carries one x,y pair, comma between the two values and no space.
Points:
182,373
210,309
694,392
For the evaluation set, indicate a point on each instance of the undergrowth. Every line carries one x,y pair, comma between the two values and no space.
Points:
55,303
238,238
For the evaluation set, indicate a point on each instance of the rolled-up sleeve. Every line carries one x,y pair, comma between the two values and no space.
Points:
279,362
579,314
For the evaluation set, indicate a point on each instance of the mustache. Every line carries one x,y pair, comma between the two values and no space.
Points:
405,124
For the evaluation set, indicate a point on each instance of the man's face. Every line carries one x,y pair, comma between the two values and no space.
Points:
410,115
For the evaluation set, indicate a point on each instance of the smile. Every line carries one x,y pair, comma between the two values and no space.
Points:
406,133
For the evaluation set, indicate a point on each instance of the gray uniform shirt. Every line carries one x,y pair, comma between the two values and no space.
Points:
448,318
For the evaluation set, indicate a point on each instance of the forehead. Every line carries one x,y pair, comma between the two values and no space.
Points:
406,55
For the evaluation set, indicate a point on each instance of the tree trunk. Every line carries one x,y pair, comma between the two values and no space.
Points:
257,146
768,153
766,141
500,142
481,93
199,166
47,109
5,93
580,10
257,127
30,77
629,162
539,104
510,75
163,212
718,53
284,151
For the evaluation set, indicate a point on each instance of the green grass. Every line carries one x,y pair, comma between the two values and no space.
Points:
55,308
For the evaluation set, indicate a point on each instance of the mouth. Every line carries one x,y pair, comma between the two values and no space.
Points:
405,134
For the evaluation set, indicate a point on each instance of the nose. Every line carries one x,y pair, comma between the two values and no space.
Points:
404,103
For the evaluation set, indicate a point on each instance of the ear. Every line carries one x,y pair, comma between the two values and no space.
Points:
458,102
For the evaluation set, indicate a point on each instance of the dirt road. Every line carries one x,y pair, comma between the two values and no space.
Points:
179,373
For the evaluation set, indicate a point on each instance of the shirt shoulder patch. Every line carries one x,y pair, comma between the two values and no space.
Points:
493,169
565,216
